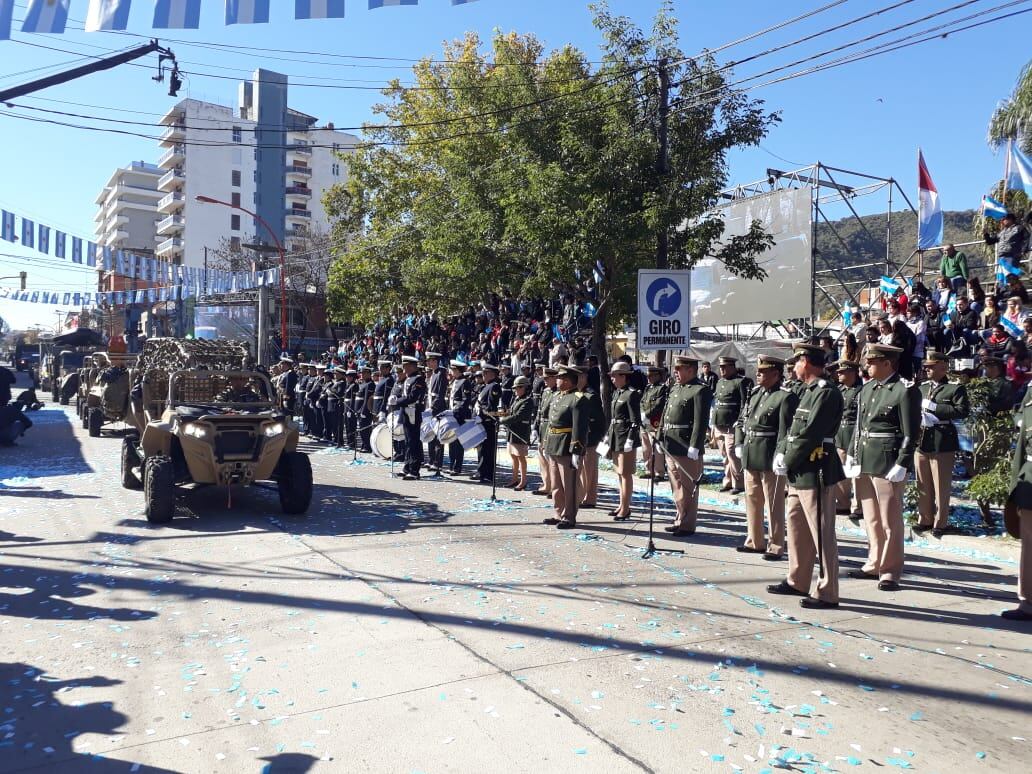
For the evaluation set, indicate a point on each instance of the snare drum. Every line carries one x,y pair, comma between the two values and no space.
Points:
382,441
394,423
446,427
471,434
426,427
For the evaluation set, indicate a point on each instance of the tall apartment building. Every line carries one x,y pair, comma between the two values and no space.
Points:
127,213
261,155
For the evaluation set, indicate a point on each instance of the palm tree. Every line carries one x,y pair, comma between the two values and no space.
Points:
1012,120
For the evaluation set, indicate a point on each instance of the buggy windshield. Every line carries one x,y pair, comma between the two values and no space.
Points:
241,390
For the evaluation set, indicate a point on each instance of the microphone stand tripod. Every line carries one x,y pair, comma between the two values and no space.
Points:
657,446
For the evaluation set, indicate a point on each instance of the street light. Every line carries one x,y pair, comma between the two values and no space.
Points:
284,340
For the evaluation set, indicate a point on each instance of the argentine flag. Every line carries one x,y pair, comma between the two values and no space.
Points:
6,11
1005,268
384,3
1020,178
7,225
177,14
46,16
247,11
992,208
888,285
929,212
462,2
107,15
1010,326
319,9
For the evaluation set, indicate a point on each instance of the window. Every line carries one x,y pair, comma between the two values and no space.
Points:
234,222
254,175
236,178
238,134
336,170
236,199
336,147
234,244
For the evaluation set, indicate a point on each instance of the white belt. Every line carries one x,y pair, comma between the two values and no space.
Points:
678,427
825,440
878,435
761,434
719,403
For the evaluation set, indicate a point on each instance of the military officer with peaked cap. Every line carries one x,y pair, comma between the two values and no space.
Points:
653,401
437,400
541,425
881,457
564,442
942,402
849,384
764,421
682,437
1018,513
729,400
806,456
460,401
411,403
486,405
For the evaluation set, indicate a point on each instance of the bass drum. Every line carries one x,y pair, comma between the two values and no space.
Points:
446,427
382,441
471,434
426,427
394,423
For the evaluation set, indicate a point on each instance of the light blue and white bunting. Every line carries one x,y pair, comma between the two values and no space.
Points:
49,16
385,3
319,9
107,15
177,14
59,244
7,225
888,285
992,208
43,245
247,11
6,12
462,2
28,233
1020,166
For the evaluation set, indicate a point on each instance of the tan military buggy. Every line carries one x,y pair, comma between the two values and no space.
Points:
106,398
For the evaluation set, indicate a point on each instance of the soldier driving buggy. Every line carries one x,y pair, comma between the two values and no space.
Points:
207,419
104,388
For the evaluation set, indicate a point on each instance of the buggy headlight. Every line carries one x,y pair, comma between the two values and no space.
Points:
274,430
195,430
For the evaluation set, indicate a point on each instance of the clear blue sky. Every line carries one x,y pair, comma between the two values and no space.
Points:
870,116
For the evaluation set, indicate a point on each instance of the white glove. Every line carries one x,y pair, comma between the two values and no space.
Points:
628,445
780,469
738,451
949,323
391,401
928,405
576,460
851,468
896,474
928,420
693,453
382,416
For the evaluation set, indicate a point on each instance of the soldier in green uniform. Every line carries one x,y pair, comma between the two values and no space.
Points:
806,455
1001,391
881,457
652,403
941,404
541,425
849,384
729,399
564,442
517,420
765,420
624,434
590,391
682,437
1020,498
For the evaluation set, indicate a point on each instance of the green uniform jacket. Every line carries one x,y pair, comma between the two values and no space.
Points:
652,402
850,406
1021,464
542,418
764,423
625,411
596,414
686,418
1001,395
809,444
519,419
951,402
567,431
887,426
729,399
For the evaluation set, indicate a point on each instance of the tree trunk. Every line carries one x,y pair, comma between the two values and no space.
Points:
598,349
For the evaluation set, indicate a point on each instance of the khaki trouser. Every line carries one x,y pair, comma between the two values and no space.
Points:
1025,564
650,456
545,468
934,476
683,489
882,504
589,475
765,489
803,534
564,488
845,496
732,465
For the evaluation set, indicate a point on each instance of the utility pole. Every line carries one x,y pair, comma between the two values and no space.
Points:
263,325
662,170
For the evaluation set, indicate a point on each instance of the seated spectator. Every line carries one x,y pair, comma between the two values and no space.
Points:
918,291
943,292
962,324
1027,328
1014,312
848,348
1019,366
953,267
1012,286
884,331
998,342
976,294
989,315
871,336
919,328
935,332
895,310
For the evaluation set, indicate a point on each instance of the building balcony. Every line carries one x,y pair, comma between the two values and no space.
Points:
301,150
173,224
297,232
170,247
294,169
172,180
299,190
172,203
112,238
174,155
173,134
304,215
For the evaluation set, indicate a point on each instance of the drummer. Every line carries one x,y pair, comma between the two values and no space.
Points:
517,421
460,401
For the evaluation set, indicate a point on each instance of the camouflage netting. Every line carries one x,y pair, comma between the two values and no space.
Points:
115,394
162,357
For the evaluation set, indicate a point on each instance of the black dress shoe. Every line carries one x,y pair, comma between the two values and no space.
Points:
1016,615
888,585
921,528
772,557
550,521
540,493
861,575
747,550
588,505
725,488
816,604
842,511
683,532
784,589
566,525
737,491
671,529
618,517
855,517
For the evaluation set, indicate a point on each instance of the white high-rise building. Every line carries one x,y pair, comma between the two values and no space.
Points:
127,208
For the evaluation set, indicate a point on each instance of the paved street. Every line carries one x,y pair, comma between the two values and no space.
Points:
406,627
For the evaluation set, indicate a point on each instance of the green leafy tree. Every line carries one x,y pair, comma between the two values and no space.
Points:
525,170
1012,119
993,436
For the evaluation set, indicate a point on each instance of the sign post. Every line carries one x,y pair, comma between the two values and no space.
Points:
664,309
